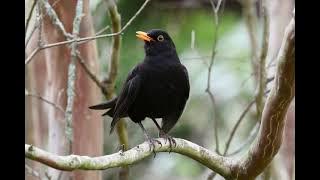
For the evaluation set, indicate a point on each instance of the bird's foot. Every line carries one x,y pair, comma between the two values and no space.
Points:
121,149
152,145
168,138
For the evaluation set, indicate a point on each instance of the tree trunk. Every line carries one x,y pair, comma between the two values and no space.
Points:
47,76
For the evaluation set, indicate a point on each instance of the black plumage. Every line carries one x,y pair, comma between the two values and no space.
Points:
158,87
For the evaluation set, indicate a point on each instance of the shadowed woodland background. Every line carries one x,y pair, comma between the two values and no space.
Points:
192,27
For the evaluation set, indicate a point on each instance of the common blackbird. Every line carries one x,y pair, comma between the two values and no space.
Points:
158,87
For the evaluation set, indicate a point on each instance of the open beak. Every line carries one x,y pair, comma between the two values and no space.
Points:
143,36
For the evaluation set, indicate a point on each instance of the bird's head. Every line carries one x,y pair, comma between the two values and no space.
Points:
156,41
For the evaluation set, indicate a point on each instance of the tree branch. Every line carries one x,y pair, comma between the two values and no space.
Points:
90,73
215,10
269,139
72,70
112,75
72,162
27,93
86,39
30,15
262,64
39,17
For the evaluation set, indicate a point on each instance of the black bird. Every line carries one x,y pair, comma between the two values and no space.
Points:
158,87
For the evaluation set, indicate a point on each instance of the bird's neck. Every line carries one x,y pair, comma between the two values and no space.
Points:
167,56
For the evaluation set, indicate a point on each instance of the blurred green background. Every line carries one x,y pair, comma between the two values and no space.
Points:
231,83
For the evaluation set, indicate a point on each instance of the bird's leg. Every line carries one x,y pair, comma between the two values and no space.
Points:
159,128
149,139
162,134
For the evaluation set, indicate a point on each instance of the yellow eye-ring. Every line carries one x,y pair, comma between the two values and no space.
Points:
160,38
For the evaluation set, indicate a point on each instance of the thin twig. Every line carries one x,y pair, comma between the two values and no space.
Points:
237,125
30,15
251,75
33,53
262,64
39,18
40,25
102,30
55,20
93,77
36,25
27,93
251,22
252,135
87,39
208,89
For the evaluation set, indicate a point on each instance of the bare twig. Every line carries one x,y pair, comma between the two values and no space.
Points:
102,30
27,93
262,64
91,74
251,21
30,15
72,70
40,25
252,135
233,131
237,125
39,18
111,78
36,25
215,10
86,39
251,75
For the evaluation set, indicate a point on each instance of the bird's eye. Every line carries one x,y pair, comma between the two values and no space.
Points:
160,38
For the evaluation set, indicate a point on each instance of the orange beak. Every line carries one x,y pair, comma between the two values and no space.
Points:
143,36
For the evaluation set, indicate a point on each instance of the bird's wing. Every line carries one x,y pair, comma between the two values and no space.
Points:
169,121
127,96
186,82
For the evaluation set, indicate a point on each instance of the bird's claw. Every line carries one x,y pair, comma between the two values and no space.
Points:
152,145
170,139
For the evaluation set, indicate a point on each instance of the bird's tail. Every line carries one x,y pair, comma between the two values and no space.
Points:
106,105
